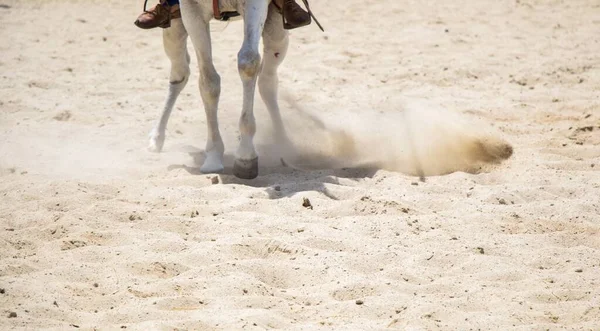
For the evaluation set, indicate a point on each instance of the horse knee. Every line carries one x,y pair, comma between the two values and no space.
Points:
210,85
248,64
180,72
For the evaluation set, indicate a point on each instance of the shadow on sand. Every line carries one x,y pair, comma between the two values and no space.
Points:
281,180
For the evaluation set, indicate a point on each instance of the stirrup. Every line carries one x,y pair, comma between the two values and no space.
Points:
312,15
288,26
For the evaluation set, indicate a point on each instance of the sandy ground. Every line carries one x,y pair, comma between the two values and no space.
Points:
98,233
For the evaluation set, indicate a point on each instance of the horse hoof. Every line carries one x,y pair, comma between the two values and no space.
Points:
246,169
211,169
213,164
156,142
156,145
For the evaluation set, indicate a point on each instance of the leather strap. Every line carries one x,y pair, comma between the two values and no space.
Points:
216,11
311,15
223,16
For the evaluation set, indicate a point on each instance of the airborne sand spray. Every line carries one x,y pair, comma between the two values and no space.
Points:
418,139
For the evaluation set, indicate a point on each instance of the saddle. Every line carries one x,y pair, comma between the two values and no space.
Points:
226,16
162,14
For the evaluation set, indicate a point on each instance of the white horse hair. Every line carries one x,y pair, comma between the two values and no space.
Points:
260,19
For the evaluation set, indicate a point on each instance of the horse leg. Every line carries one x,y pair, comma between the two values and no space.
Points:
197,24
246,159
275,40
174,43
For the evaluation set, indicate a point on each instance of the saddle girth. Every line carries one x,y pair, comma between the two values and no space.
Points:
222,16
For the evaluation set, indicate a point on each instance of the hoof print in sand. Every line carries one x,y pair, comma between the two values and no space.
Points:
158,269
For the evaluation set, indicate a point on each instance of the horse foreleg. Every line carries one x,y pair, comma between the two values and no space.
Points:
275,40
174,43
246,159
209,84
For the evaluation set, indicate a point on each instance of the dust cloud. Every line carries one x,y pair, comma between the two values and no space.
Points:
417,139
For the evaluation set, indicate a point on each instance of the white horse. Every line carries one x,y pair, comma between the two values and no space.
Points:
434,144
261,18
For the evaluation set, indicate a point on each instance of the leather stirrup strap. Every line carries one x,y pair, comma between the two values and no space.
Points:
312,15
216,11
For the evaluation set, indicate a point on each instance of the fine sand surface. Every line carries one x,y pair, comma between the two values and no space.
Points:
98,233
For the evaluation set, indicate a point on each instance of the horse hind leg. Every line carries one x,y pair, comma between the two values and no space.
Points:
174,43
246,159
275,41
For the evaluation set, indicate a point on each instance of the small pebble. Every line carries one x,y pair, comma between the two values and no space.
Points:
134,217
578,270
306,203
359,302
12,314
